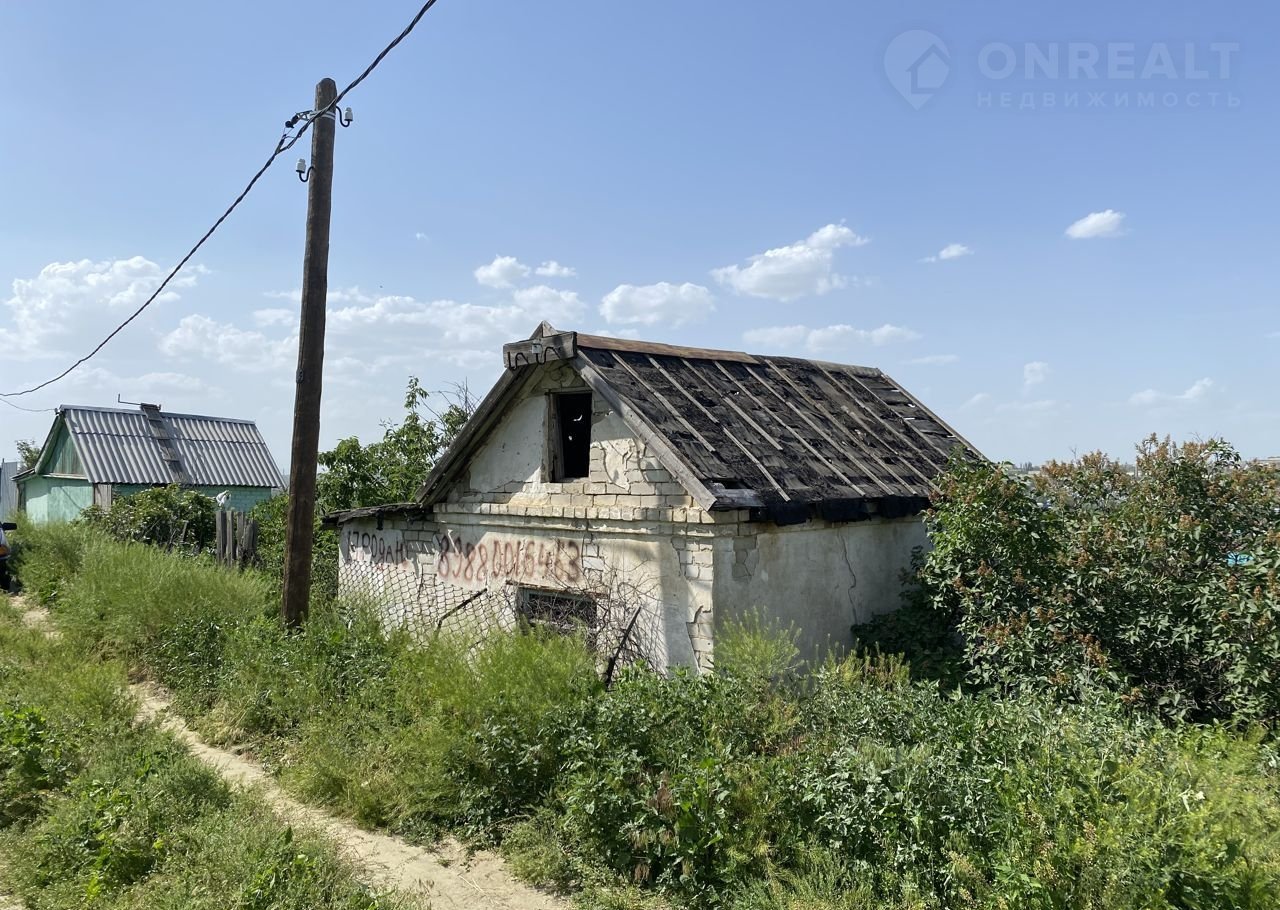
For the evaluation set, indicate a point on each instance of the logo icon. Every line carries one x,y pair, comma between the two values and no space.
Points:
917,64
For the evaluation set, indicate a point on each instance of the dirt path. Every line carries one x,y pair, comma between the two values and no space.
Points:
446,876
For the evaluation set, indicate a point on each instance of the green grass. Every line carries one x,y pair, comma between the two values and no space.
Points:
98,811
754,787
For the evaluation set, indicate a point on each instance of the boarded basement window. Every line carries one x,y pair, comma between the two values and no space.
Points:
570,436
558,611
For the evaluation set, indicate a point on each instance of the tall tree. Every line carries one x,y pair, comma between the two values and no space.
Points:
392,469
28,453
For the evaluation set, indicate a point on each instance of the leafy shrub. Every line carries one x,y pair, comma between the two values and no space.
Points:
170,517
272,517
392,469
931,645
111,831
676,782
752,787
32,763
1160,585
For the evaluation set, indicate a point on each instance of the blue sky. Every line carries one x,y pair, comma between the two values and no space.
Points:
744,175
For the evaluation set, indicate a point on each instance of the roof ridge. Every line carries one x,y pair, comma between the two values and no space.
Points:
162,413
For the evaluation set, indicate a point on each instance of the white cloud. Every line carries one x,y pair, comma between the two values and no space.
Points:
104,381
560,308
976,400
1197,391
934,360
654,304
275,316
805,268
950,251
777,336
1034,373
553,269
631,334
1038,406
826,338
834,336
67,299
422,236
1108,223
201,337
503,272
464,334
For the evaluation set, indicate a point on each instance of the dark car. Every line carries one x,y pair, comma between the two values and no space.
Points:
5,553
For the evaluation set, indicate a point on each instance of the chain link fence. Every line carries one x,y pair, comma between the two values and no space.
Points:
618,621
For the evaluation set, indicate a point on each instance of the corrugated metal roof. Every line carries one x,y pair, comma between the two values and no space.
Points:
117,446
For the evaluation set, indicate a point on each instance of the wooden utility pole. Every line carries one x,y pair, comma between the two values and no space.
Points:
306,401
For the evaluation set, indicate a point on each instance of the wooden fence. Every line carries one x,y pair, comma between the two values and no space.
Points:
236,539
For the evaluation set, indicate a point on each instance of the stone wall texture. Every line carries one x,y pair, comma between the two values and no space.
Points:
628,535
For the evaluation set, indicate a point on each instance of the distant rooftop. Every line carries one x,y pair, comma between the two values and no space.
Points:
150,446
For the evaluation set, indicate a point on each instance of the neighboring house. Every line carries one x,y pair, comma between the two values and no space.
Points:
93,455
8,489
698,485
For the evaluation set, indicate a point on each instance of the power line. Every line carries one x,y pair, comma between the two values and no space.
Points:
286,142
19,407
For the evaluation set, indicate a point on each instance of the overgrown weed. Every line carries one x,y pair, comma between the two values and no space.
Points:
849,785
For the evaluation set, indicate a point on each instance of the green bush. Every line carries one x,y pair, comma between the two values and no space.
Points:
1159,585
679,782
171,517
931,645
272,515
111,829
32,763
756,786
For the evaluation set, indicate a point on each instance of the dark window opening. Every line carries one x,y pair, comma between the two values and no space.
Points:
571,436
557,611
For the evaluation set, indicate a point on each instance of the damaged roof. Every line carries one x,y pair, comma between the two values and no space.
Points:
787,438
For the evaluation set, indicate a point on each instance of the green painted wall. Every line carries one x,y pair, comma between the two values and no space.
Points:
62,499
242,499
63,458
56,498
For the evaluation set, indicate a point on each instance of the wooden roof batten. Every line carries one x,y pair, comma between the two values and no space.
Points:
783,437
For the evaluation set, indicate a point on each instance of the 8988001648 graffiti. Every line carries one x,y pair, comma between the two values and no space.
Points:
492,558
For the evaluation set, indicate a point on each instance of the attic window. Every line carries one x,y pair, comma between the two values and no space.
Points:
570,436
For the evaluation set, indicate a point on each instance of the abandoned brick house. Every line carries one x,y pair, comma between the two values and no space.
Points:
679,487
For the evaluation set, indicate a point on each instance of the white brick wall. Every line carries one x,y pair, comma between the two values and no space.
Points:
629,524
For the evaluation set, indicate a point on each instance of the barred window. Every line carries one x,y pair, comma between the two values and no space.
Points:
560,611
